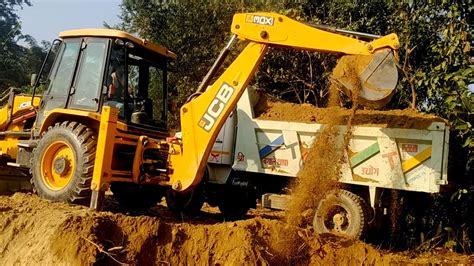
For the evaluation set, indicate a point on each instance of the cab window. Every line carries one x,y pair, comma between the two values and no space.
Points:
89,77
146,90
114,82
60,80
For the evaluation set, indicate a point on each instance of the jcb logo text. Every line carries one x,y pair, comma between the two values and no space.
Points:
262,20
24,105
217,106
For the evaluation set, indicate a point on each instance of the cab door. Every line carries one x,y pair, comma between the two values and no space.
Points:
75,80
87,86
60,78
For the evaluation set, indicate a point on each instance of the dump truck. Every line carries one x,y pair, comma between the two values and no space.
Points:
101,121
384,156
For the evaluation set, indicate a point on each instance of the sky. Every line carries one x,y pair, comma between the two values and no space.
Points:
46,18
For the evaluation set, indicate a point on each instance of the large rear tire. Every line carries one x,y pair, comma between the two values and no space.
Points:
63,163
341,211
136,197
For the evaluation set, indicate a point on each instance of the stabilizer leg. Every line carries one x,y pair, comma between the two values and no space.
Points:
104,155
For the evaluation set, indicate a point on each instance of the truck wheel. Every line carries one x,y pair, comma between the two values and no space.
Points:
343,212
237,197
188,203
63,163
135,196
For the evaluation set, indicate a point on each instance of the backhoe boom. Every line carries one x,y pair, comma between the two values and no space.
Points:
202,117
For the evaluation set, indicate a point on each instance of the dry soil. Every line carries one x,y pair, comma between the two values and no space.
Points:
272,109
38,232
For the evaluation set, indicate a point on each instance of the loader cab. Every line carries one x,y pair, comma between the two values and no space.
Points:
103,67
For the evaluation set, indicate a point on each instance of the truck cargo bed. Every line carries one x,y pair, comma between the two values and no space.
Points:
378,155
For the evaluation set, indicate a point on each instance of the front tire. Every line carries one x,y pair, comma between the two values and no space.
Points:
341,211
63,163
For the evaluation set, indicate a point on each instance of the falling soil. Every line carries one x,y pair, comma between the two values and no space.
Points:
39,232
319,174
321,170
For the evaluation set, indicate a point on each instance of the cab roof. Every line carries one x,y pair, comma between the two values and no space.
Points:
110,33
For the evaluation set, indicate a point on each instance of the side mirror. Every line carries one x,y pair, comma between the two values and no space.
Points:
33,79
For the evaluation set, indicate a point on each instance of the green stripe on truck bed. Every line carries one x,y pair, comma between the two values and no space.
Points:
365,154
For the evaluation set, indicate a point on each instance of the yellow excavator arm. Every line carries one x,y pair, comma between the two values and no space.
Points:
203,116
279,30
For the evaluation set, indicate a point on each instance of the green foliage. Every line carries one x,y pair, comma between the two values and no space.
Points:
16,62
435,51
10,34
301,76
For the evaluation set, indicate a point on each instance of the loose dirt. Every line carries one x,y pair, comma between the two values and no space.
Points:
273,109
321,170
36,231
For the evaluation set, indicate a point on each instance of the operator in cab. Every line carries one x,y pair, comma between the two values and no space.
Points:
116,86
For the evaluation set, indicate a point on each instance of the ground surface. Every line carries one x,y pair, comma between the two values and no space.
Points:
39,232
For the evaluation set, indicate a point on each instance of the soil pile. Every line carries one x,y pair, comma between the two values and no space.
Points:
272,109
36,231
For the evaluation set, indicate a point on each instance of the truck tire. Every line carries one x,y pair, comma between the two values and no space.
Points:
237,197
342,212
188,203
63,162
135,196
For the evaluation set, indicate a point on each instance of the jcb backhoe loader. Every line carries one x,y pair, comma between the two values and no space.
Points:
101,121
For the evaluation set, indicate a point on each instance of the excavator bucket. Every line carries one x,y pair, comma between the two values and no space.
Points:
368,79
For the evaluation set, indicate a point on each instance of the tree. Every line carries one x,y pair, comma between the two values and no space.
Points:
434,66
17,62
11,67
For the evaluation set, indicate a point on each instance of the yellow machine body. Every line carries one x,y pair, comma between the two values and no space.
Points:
16,109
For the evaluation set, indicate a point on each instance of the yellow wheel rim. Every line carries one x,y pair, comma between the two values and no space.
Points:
57,165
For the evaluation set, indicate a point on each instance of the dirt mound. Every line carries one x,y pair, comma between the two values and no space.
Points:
271,109
35,231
